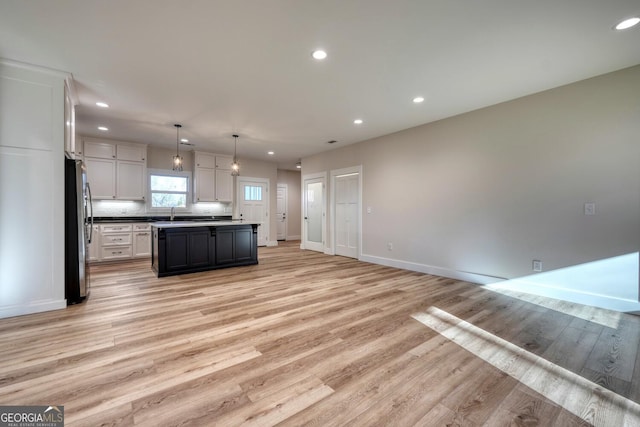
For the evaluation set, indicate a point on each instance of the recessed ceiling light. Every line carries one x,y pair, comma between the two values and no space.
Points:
319,54
418,99
358,121
102,104
299,165
103,128
627,23
184,140
271,153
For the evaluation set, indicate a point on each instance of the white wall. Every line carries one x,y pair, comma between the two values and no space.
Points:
31,189
482,194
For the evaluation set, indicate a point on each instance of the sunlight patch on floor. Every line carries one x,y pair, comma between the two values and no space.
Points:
581,397
612,284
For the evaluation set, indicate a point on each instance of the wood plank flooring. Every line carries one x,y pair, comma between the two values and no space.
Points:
308,339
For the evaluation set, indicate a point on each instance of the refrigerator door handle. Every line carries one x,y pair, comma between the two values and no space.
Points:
91,215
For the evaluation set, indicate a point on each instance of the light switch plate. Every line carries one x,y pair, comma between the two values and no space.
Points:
590,208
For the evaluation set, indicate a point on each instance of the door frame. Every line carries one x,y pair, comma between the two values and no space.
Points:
334,174
286,208
314,176
240,197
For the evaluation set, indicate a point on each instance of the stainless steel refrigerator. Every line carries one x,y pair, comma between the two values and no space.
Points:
78,230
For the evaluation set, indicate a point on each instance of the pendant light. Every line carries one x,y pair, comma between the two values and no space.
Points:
177,159
235,166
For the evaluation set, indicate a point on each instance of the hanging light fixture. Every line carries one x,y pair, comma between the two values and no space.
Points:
235,166
177,159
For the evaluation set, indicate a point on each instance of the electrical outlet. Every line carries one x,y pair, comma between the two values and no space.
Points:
369,210
537,265
390,246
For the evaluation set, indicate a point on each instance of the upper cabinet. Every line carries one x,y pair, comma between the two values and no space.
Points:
70,118
212,178
115,170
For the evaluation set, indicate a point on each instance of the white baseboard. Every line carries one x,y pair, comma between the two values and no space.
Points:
19,310
516,285
272,243
430,269
294,237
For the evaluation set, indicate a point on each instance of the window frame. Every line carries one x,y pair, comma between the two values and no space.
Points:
171,173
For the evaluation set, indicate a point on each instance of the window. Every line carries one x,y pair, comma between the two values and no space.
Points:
252,192
168,189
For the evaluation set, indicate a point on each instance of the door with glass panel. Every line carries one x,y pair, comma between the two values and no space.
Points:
313,223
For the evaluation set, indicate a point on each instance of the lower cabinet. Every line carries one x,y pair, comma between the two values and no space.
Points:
190,249
193,249
235,245
120,241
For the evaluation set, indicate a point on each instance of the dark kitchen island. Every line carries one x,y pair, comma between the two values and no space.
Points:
181,247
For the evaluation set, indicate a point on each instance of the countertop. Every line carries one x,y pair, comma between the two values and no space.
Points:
177,224
105,219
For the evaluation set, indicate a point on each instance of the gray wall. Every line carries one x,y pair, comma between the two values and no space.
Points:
294,204
488,191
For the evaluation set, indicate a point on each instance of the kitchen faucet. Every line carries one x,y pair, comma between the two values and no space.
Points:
173,212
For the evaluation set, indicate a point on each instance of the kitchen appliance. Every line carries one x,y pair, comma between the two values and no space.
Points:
78,230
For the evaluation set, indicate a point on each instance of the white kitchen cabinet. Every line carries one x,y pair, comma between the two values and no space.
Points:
69,119
212,178
131,152
99,149
205,160
32,182
224,185
115,170
224,162
130,179
115,241
120,241
101,175
141,240
204,185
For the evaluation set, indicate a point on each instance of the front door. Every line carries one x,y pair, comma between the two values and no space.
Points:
253,205
314,213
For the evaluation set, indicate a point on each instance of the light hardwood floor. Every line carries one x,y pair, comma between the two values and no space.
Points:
309,339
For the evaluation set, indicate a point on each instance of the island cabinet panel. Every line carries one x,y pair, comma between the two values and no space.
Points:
179,250
225,242
245,243
176,259
200,249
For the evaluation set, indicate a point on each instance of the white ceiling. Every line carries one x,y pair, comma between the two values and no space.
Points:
244,66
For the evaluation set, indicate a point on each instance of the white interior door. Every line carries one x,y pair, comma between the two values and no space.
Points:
313,224
347,212
253,205
281,212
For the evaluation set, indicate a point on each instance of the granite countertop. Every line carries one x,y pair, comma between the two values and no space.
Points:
178,224
105,219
